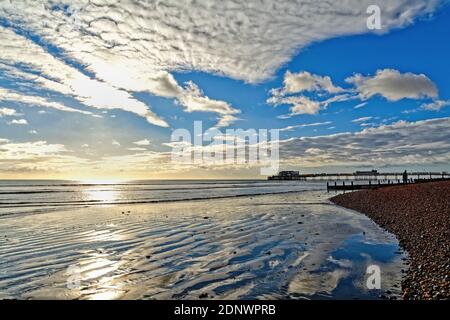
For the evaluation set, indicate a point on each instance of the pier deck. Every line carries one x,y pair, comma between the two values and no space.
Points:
351,186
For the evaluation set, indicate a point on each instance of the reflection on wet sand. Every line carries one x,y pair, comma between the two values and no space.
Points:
267,247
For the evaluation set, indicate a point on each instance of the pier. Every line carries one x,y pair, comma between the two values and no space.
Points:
351,181
358,176
351,186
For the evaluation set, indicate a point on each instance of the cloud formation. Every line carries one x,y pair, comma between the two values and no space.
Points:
305,81
30,101
408,143
143,142
394,85
50,73
105,52
245,40
389,83
7,112
18,121
436,105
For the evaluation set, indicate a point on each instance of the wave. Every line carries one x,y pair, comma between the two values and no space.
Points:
155,183
128,189
137,201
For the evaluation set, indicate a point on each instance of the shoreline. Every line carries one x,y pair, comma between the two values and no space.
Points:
419,216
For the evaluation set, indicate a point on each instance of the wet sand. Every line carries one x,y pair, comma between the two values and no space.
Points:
419,215
290,246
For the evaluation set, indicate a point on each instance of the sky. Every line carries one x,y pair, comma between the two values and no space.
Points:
95,89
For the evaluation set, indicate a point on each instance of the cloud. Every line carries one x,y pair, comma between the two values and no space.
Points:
316,124
388,83
409,143
137,149
436,105
245,40
322,88
10,151
144,142
115,143
13,96
394,85
360,105
32,132
19,122
305,81
107,52
226,120
299,104
24,158
363,119
7,112
193,99
50,73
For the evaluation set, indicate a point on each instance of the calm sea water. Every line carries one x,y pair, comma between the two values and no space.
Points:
24,196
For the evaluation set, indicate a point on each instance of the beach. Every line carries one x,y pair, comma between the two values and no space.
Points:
419,215
148,240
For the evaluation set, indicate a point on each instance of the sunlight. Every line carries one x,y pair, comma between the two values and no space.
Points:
97,195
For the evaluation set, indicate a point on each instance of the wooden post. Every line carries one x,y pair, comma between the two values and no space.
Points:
352,186
328,187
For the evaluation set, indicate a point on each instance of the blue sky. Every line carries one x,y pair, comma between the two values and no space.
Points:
99,98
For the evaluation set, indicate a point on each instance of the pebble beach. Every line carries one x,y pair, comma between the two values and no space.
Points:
419,216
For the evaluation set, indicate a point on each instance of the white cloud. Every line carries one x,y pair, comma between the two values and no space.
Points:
362,119
32,132
134,46
315,124
226,120
28,150
7,112
245,40
9,95
193,99
394,85
57,76
305,81
436,105
144,142
360,105
24,158
388,83
409,143
115,143
299,104
19,122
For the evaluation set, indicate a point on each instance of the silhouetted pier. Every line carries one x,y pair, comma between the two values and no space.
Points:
351,186
358,176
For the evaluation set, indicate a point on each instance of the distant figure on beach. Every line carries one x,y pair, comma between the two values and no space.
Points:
405,177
